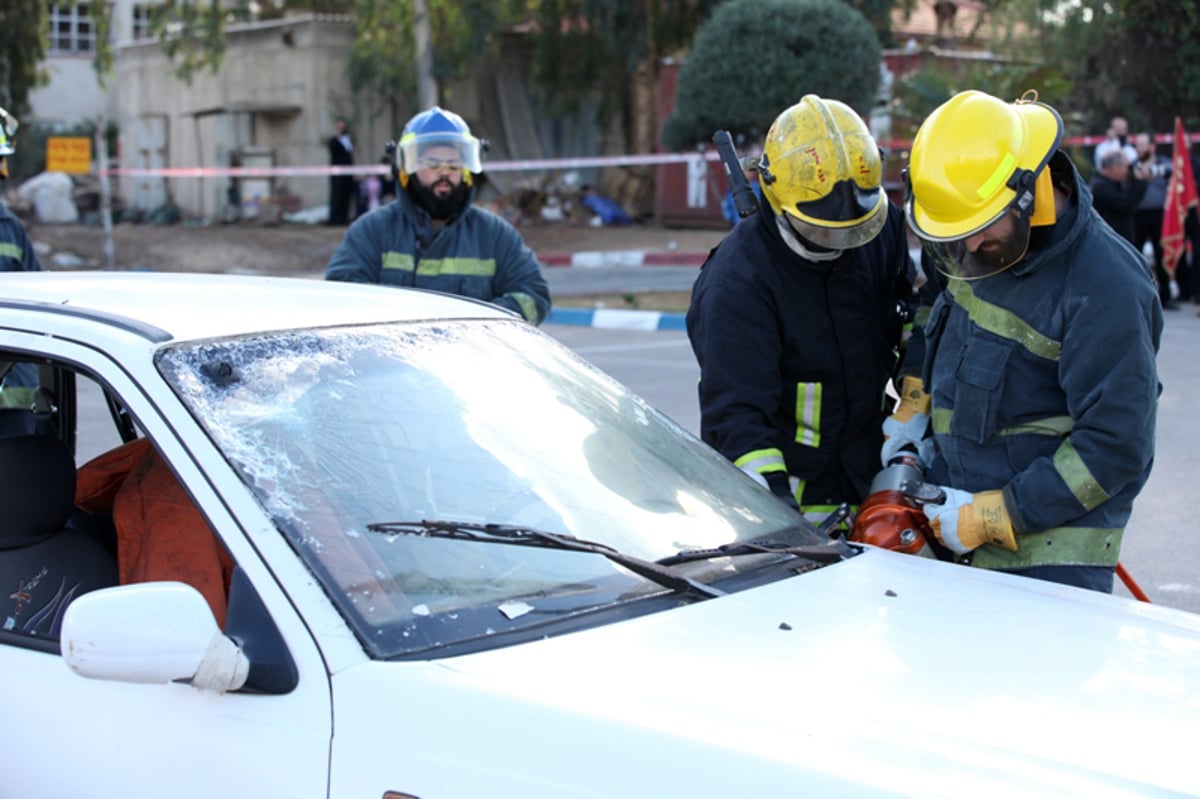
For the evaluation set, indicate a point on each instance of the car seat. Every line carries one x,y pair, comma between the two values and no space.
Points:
44,561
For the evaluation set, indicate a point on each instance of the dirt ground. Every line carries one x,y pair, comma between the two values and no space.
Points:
301,250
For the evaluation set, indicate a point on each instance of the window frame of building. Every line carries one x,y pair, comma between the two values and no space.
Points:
72,29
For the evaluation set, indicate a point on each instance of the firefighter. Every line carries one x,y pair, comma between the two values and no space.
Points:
1039,354
17,381
16,253
796,318
432,236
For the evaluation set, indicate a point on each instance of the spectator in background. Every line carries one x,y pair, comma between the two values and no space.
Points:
1148,219
341,187
1118,139
1116,194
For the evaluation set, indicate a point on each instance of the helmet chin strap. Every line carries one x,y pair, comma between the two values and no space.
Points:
796,244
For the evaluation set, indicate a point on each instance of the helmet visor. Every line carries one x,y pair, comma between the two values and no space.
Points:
455,151
995,248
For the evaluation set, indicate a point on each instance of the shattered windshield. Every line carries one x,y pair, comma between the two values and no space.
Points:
339,431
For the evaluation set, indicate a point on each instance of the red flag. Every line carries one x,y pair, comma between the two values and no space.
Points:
1181,195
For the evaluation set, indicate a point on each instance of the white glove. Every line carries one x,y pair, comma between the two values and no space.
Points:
911,435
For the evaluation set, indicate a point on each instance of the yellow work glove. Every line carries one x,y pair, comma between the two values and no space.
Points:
966,521
908,425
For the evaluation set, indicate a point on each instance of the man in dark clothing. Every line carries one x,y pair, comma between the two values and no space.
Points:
1116,194
341,187
18,382
432,237
1040,355
1155,169
16,253
797,316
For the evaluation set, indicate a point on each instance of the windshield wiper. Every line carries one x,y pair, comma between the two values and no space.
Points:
837,549
517,535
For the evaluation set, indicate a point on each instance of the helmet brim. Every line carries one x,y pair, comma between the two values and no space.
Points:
841,235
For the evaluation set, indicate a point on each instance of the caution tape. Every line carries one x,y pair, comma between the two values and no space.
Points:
551,164
525,165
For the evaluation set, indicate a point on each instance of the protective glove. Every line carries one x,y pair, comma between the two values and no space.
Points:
781,487
966,521
907,428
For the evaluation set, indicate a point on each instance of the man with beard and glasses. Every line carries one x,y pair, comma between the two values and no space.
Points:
432,237
798,316
1040,352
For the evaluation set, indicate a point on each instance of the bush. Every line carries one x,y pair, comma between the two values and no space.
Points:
754,58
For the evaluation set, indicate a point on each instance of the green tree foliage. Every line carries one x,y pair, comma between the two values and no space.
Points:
1136,58
755,58
22,47
384,47
595,46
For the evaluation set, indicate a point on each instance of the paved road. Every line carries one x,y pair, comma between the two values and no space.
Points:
1161,550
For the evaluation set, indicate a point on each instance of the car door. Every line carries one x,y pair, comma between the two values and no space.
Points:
66,735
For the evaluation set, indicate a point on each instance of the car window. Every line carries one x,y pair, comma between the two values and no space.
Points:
486,423
115,514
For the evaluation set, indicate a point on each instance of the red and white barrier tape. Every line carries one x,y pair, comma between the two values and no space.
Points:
548,164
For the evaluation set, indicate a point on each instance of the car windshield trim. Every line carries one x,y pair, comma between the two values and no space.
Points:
517,535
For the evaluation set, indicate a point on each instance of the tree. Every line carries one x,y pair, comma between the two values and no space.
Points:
385,58
610,50
22,47
755,58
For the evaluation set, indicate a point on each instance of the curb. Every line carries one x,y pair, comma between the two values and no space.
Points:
617,319
607,258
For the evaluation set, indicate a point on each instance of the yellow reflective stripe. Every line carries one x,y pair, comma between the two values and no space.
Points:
808,414
528,306
998,177
17,397
1059,426
763,461
1059,546
1050,426
9,250
398,260
473,267
1078,476
1002,322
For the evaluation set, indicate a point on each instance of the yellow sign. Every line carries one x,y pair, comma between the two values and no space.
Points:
71,154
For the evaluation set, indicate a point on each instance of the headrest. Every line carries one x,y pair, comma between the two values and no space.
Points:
37,489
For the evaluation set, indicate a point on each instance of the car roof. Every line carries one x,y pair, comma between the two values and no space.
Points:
193,305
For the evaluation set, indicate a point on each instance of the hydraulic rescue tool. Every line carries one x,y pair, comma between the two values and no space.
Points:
892,517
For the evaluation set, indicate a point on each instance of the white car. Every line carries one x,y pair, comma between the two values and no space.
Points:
462,562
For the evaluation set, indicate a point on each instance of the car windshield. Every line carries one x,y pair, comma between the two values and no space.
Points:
339,432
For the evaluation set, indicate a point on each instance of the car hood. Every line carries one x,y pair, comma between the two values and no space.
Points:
886,675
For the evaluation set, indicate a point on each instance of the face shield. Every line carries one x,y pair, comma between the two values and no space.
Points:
848,217
1002,241
454,151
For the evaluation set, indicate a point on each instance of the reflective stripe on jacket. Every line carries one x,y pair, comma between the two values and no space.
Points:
16,253
795,356
1044,384
475,254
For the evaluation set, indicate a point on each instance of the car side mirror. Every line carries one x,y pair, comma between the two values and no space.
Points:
151,633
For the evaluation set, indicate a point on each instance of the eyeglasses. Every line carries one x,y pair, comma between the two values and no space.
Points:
433,164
